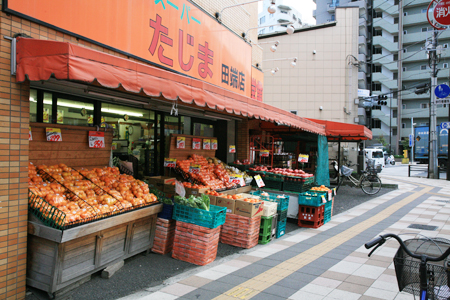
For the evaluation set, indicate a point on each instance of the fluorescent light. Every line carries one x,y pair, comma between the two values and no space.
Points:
121,112
117,98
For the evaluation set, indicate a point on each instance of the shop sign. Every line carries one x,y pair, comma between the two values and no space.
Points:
213,144
196,142
60,116
237,179
195,169
441,12
170,162
257,85
181,142
30,136
53,134
46,118
303,158
232,149
264,153
96,139
259,181
174,34
206,144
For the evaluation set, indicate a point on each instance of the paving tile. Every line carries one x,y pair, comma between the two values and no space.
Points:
201,294
302,295
389,272
352,287
355,259
177,289
383,294
209,274
159,296
386,285
267,262
378,263
345,267
335,275
248,258
195,281
404,296
251,271
233,279
237,263
218,286
317,289
267,296
340,294
292,283
360,280
280,291
365,297
227,269
327,282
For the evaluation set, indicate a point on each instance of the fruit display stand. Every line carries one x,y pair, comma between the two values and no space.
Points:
240,231
60,257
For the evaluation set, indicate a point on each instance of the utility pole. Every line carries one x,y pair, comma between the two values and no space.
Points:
412,134
390,122
433,159
399,77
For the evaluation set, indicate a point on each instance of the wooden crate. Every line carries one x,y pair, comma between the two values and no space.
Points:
59,259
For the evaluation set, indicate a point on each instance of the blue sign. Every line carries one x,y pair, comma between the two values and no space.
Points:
445,125
442,91
411,140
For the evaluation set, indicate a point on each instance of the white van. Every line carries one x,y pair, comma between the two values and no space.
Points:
375,154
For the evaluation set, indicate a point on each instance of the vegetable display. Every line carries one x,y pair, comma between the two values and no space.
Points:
200,202
321,188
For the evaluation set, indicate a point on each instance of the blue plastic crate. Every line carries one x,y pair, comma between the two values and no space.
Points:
166,212
282,200
281,228
282,215
211,219
327,213
311,199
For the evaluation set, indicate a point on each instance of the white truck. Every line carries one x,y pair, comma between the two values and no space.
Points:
375,154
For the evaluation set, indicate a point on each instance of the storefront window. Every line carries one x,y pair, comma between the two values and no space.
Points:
33,105
74,112
203,129
47,108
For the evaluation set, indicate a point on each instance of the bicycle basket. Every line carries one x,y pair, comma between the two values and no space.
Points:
346,171
407,268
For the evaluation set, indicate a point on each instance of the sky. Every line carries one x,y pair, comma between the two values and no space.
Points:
305,7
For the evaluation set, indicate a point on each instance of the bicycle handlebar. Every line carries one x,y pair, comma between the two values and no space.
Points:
382,238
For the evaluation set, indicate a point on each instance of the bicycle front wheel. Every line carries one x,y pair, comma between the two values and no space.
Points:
371,184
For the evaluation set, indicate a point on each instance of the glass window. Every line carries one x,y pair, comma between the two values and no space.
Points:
423,67
73,112
47,108
262,20
33,105
377,154
203,129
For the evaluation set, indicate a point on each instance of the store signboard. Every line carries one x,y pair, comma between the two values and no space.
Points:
232,149
264,153
30,136
303,158
53,134
259,181
96,139
181,142
213,144
170,162
257,84
174,34
196,142
194,169
206,144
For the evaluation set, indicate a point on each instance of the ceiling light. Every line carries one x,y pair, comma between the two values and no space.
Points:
121,112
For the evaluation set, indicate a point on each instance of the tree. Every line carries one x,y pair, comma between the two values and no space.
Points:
383,141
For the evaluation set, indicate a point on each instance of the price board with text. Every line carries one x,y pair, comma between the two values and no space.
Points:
53,134
96,139
303,158
170,162
195,169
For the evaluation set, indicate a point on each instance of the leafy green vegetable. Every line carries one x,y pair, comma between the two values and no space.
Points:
201,202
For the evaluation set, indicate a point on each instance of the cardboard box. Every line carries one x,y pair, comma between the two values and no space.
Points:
228,203
244,189
160,181
247,209
270,208
229,192
195,192
169,189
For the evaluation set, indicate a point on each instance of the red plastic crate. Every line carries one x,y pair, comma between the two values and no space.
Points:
311,216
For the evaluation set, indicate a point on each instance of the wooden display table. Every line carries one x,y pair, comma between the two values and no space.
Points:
59,259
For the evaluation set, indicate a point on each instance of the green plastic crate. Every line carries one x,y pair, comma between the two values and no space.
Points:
283,201
265,226
296,187
264,239
311,199
210,219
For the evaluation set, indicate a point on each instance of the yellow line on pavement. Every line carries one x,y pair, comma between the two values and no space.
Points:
441,195
255,285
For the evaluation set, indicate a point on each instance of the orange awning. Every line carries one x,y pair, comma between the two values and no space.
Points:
336,131
42,59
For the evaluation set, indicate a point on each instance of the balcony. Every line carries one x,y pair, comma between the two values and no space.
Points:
383,42
385,25
362,5
417,3
387,61
387,7
384,80
379,132
415,19
424,113
362,40
331,7
314,12
362,22
361,57
410,95
421,36
418,75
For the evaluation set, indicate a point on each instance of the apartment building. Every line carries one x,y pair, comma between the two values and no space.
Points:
379,48
284,14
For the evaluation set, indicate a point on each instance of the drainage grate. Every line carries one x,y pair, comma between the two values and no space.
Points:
423,227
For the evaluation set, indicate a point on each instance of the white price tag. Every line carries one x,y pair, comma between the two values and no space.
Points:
259,181
96,139
330,196
323,199
179,189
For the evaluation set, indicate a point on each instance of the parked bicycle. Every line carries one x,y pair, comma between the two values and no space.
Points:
421,265
369,181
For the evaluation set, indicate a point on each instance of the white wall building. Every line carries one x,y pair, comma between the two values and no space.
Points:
284,14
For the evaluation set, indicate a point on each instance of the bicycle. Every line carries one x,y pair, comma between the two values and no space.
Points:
415,275
369,181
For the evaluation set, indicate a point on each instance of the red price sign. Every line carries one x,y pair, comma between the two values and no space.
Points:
213,144
264,153
170,162
303,158
96,139
259,181
206,144
53,134
194,169
181,142
196,143
232,149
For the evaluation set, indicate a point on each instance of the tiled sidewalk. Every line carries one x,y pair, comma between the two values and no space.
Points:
325,263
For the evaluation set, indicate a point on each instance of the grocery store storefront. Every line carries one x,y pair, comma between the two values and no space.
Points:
130,88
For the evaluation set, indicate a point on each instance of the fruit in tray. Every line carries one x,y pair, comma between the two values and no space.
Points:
252,200
290,172
214,193
259,168
321,188
244,162
194,186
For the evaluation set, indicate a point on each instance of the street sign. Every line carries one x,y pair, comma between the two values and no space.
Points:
443,101
442,91
440,13
445,125
411,140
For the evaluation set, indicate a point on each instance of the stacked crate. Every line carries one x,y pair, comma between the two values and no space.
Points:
195,244
164,236
240,231
315,209
282,207
265,230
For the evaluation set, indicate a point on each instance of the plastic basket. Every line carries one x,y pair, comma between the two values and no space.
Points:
266,225
282,215
281,228
167,212
282,200
274,177
327,213
407,268
273,184
311,199
211,219
296,186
